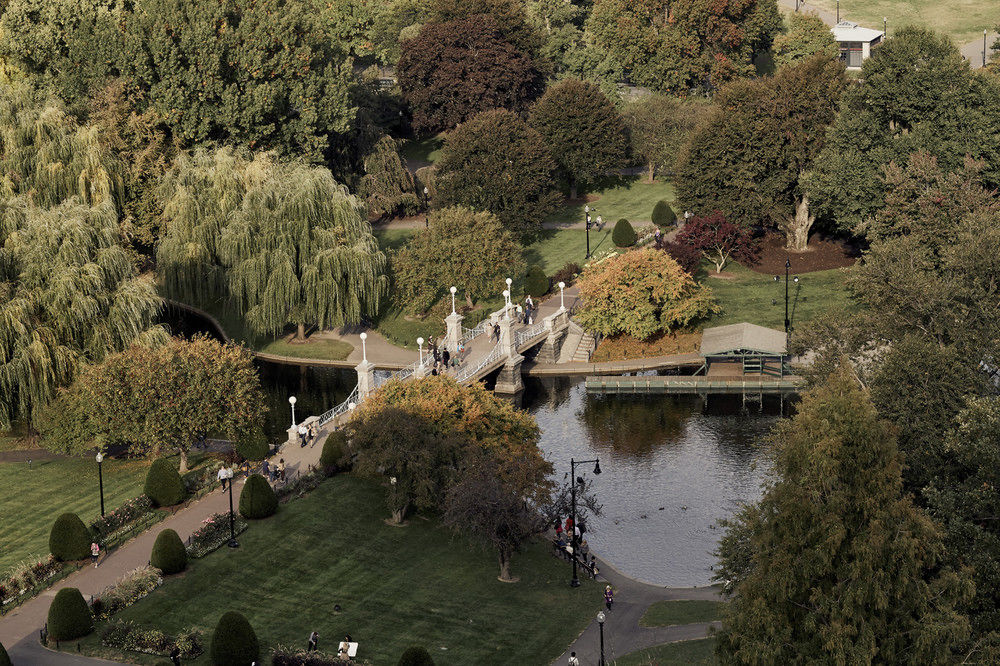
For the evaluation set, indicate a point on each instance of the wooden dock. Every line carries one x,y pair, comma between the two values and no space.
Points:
697,385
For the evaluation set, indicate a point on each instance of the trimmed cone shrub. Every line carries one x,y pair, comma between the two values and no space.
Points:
234,642
663,214
253,446
536,282
169,555
257,499
334,455
4,657
163,484
69,538
415,655
624,234
69,616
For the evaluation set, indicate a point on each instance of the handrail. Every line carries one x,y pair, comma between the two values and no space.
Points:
470,371
326,417
526,334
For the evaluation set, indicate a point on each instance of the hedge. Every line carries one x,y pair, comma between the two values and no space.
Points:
536,282
624,235
169,555
663,214
69,616
334,455
234,642
163,484
69,538
257,499
253,446
415,655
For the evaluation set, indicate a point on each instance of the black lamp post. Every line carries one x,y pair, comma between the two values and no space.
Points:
984,47
788,265
426,223
838,11
572,491
600,623
586,210
100,479
233,543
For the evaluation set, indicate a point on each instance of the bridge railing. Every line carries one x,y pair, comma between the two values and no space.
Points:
526,334
472,370
326,417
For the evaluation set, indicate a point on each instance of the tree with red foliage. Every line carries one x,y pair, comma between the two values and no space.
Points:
688,256
719,240
456,69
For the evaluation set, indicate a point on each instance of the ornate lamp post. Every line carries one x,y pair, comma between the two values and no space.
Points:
100,479
574,480
788,265
600,623
586,211
562,303
453,290
291,401
233,543
426,223
506,303
420,345
364,350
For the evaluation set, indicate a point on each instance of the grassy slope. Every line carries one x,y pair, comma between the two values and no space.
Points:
685,653
396,586
335,350
667,613
748,295
963,21
424,150
633,200
33,498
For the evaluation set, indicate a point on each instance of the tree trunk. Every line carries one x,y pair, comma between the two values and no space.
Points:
572,188
504,559
797,229
468,300
300,331
650,172
399,513
184,461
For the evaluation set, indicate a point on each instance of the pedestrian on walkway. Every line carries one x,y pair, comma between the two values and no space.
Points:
175,656
95,552
302,436
496,333
573,661
529,307
460,353
313,642
265,470
222,477
281,469
445,357
609,597
313,433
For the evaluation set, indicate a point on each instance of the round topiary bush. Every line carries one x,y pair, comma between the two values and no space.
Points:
334,455
69,538
169,555
624,234
253,445
234,642
415,655
663,214
163,484
536,282
257,499
69,616
4,657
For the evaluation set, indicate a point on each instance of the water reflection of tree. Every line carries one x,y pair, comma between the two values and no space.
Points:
634,425
315,389
550,391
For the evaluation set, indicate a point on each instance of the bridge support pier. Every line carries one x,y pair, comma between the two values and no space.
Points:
550,349
366,378
509,381
454,335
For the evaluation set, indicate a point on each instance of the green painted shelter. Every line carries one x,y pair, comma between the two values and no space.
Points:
757,349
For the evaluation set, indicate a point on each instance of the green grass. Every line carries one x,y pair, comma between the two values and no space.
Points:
667,613
554,249
633,200
684,653
393,239
748,296
332,350
423,150
964,21
34,497
396,586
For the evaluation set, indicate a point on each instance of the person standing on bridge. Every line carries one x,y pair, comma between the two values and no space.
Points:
529,308
445,357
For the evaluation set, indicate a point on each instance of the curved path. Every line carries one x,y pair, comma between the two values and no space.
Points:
622,633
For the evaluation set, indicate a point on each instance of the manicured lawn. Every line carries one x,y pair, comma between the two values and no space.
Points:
684,653
32,498
554,249
393,239
424,150
633,200
667,613
333,350
395,586
963,21
747,296
394,325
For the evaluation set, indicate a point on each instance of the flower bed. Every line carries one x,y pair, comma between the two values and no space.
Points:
26,578
283,656
213,533
126,635
123,516
299,487
131,587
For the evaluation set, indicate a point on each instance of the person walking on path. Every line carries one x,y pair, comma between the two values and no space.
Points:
313,642
529,308
95,552
281,469
222,477
175,656
609,597
302,436
265,471
496,333
573,661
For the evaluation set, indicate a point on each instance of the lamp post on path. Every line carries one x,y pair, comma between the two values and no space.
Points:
291,401
453,290
100,479
420,345
364,350
788,265
575,582
586,210
233,543
562,303
600,623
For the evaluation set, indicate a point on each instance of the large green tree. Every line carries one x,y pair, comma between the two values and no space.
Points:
158,400
453,70
806,36
497,163
836,564
286,242
916,93
461,248
750,157
583,129
658,126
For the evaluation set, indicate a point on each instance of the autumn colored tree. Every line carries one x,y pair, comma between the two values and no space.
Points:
641,293
658,126
454,70
806,36
835,563
584,131
497,163
461,248
510,16
733,162
158,400
718,239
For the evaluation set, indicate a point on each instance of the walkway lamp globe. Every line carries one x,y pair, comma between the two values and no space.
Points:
292,401
453,290
100,478
562,303
364,349
600,623
227,473
420,345
351,406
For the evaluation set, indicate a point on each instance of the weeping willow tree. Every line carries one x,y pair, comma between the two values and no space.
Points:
387,186
283,240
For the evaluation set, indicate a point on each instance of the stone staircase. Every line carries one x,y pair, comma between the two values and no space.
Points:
586,347
578,346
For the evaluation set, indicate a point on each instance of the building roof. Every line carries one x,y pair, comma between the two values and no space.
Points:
845,31
736,338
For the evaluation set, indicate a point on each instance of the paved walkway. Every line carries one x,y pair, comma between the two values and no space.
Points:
622,633
19,628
